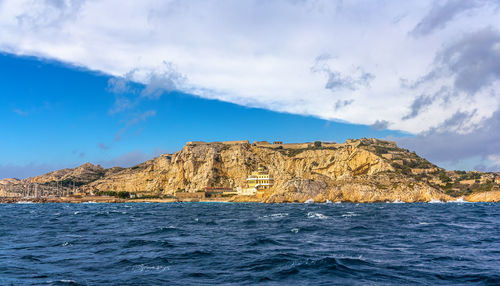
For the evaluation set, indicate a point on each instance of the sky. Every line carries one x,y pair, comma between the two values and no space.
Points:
117,83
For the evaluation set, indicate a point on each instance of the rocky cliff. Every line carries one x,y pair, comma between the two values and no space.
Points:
365,170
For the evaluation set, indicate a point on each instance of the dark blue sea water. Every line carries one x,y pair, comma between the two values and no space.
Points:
217,243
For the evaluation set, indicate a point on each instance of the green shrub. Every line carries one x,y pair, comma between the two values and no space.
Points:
444,178
123,195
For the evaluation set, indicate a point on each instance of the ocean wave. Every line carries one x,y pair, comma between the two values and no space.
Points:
275,216
263,241
350,214
160,230
147,268
250,244
63,281
316,215
333,267
309,201
434,201
460,200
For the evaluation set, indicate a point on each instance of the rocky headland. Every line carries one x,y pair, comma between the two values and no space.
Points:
364,170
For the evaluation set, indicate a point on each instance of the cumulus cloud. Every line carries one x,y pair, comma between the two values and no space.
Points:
418,104
471,63
444,144
474,60
164,79
118,85
260,53
47,13
380,125
464,77
441,13
337,80
339,104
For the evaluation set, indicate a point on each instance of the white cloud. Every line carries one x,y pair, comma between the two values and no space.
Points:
263,53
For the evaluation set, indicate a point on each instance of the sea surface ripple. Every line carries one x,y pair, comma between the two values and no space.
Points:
246,244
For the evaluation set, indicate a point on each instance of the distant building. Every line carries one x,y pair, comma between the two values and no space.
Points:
497,180
278,142
258,181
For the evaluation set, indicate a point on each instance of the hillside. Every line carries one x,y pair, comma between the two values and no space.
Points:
364,170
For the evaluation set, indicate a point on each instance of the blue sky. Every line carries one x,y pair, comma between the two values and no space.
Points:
56,115
81,84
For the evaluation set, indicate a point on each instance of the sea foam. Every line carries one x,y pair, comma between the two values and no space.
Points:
316,215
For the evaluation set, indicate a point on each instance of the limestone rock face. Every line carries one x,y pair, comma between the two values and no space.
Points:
386,187
83,174
492,197
364,170
219,165
340,172
9,181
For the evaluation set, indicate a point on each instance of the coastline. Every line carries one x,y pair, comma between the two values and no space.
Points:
485,197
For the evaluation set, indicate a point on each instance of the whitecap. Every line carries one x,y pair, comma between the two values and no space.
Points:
434,201
328,201
349,214
309,201
459,200
396,201
62,281
77,212
24,202
274,216
155,268
294,230
278,215
316,215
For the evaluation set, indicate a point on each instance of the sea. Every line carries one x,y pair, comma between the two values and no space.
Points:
250,244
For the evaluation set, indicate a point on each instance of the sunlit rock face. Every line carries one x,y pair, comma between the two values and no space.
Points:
351,171
364,170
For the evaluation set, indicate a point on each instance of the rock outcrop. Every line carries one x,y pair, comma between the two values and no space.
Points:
364,170
491,196
83,174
